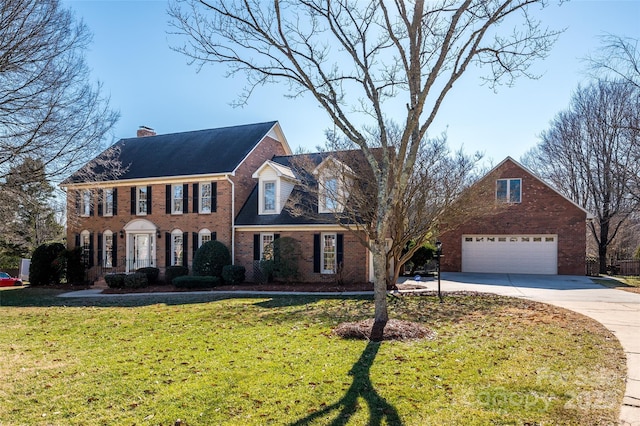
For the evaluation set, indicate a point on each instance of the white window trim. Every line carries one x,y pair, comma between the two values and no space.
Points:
262,194
201,197
178,209
107,252
202,233
105,210
85,203
324,196
508,200
138,200
263,237
174,262
322,253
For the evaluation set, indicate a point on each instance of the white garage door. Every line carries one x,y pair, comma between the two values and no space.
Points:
514,254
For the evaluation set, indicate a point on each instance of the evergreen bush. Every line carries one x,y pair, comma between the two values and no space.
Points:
173,272
151,273
74,268
283,265
233,274
47,264
136,280
115,280
210,258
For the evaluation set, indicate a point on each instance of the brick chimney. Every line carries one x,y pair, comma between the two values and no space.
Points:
144,131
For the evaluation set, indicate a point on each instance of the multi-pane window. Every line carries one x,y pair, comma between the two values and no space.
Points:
141,200
85,206
176,248
107,200
266,246
269,196
509,190
331,194
205,236
176,197
108,250
328,253
205,197
85,243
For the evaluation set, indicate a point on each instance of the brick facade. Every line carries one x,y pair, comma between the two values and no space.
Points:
355,255
541,211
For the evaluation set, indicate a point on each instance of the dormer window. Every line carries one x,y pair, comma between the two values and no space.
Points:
330,202
269,196
334,178
509,190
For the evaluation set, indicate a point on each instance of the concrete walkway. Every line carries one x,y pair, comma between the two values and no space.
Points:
617,310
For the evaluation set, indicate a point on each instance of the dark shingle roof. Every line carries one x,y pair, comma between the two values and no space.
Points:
187,153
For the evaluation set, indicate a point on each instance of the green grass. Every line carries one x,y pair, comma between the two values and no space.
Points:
257,361
628,283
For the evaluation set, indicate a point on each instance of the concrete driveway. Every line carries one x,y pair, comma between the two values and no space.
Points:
617,310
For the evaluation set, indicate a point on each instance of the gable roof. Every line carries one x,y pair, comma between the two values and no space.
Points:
201,152
534,175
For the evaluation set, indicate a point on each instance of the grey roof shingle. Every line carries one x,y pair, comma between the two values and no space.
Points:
198,152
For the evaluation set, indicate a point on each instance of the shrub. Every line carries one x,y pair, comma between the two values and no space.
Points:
74,268
115,280
174,271
47,264
136,280
210,258
233,274
187,281
151,273
283,266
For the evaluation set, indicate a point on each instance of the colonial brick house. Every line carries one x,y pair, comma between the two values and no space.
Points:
231,184
180,190
534,229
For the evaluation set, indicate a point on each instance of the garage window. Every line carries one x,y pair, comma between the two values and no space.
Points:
509,190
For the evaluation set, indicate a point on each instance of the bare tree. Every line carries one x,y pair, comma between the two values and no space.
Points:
618,58
359,61
591,154
49,110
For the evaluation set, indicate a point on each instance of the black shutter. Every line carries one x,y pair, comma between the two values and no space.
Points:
91,250
114,250
91,204
194,244
196,196
339,250
214,236
185,249
115,202
167,249
256,246
77,240
100,259
276,247
316,253
77,193
133,200
149,199
100,201
185,198
214,196
168,199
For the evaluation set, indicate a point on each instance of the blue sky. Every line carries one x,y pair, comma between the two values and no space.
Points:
152,85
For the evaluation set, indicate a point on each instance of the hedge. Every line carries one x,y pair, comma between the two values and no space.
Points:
187,281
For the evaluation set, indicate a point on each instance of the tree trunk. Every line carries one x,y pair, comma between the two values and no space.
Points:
381,315
602,245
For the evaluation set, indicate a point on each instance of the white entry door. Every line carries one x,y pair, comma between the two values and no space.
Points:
514,254
141,251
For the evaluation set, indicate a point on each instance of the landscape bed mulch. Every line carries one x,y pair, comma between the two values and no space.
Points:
296,287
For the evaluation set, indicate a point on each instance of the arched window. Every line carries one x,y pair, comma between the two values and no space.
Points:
204,236
107,249
177,247
85,244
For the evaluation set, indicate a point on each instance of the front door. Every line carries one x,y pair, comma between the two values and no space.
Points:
141,251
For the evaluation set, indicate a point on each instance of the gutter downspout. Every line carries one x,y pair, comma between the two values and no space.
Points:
233,224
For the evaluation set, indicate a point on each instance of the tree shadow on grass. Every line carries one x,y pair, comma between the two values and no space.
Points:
361,387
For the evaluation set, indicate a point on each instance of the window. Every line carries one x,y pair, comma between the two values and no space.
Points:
328,253
204,236
176,248
107,202
176,199
269,196
85,206
141,200
509,190
205,197
108,249
331,194
266,246
85,244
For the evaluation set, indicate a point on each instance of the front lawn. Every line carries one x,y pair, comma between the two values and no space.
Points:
273,360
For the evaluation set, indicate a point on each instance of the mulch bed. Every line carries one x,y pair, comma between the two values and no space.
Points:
295,287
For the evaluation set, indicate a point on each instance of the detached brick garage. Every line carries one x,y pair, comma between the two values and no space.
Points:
529,229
